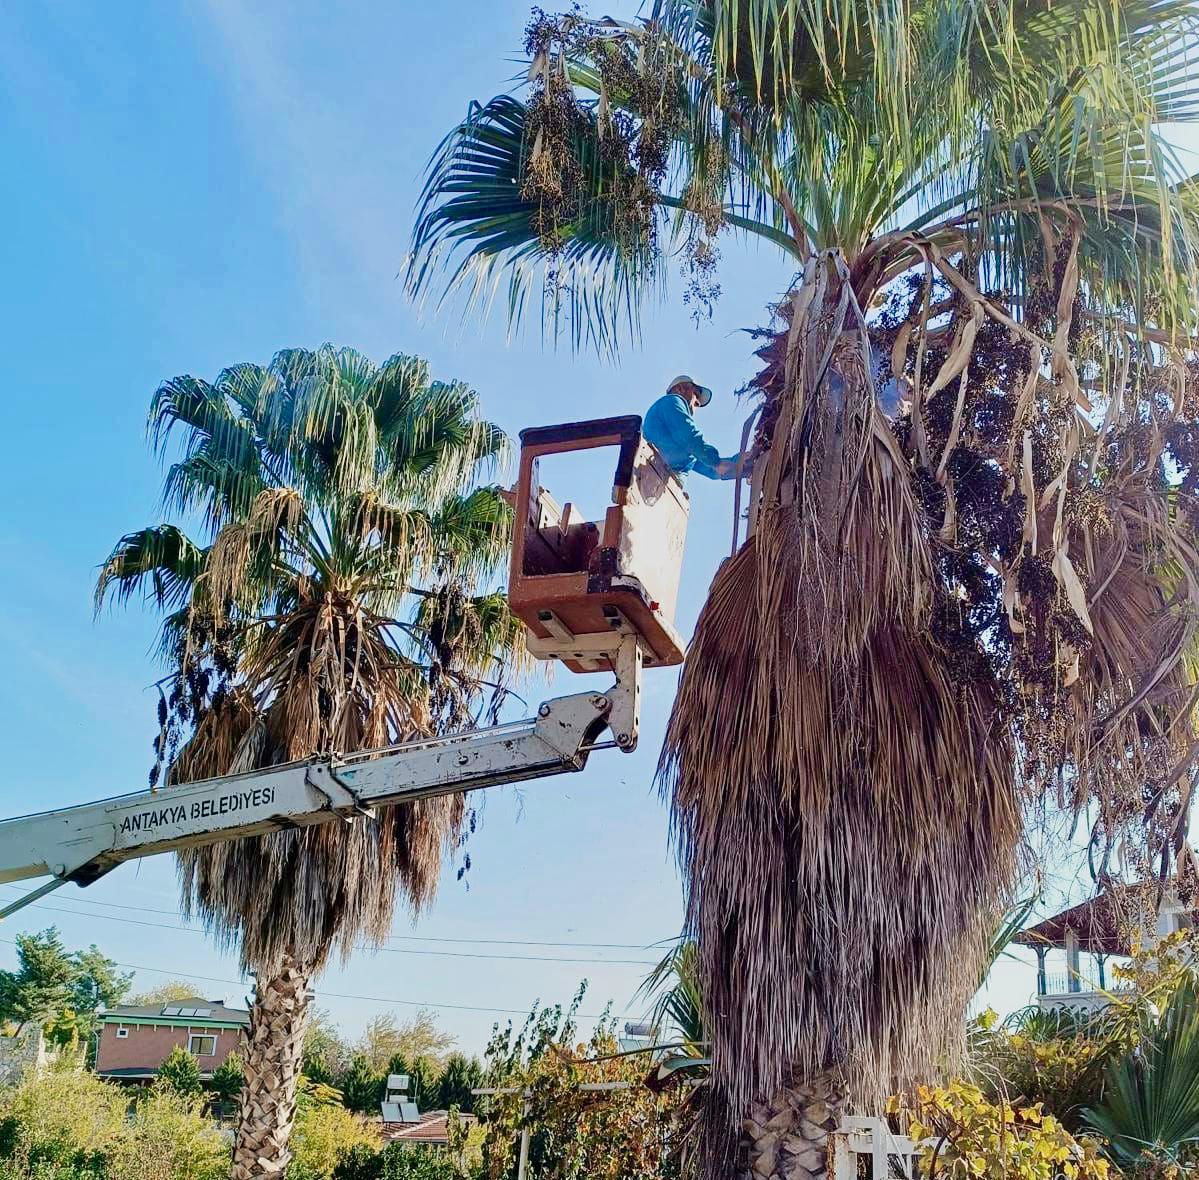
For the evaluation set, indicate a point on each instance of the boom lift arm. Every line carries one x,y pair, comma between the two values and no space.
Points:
596,595
81,844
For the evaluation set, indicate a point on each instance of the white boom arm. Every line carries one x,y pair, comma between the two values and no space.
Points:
83,843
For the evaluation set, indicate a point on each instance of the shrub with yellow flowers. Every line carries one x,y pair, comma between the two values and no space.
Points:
1063,1073
964,1134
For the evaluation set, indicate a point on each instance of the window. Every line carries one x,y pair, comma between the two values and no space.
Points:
122,1032
201,1046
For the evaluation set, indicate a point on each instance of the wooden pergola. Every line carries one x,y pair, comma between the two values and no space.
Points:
1099,926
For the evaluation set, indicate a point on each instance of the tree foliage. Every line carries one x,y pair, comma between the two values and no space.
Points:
165,993
362,1086
180,1072
228,1079
59,988
610,1135
326,1052
347,546
386,1036
461,1075
71,1125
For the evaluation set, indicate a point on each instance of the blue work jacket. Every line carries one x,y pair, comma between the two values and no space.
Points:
669,425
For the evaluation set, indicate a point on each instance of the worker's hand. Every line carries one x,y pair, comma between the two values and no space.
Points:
727,469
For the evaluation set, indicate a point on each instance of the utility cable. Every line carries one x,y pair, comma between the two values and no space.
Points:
367,999
390,950
615,946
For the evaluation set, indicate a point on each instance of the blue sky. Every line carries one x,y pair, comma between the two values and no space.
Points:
188,186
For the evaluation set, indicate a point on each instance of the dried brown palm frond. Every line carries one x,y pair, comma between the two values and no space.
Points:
324,678
999,588
847,813
1132,709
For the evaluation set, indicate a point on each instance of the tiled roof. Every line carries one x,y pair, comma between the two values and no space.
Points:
191,1010
431,1128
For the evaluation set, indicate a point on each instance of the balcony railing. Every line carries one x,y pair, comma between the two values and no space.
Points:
1058,984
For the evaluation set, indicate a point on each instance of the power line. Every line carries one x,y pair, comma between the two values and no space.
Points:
390,950
615,946
368,999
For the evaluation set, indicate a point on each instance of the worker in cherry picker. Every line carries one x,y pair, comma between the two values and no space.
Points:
670,425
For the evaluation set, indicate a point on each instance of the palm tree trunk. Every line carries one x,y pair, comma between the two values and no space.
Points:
274,1050
788,1137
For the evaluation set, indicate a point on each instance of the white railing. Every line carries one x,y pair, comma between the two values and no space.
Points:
890,1156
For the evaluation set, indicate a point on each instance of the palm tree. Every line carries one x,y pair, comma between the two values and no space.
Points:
972,569
339,600
1150,1109
678,1011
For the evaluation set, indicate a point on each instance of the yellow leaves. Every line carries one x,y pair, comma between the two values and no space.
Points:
980,1138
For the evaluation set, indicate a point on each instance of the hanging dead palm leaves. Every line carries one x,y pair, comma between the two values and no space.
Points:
982,604
876,797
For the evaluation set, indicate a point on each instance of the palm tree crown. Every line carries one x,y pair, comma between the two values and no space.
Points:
880,130
339,600
980,599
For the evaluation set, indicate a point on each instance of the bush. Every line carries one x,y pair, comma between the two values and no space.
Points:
323,1135
228,1079
181,1072
981,1139
169,1136
61,1112
73,1126
1065,1074
397,1161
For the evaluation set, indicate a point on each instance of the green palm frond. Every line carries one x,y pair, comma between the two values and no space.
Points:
1010,923
1150,1110
474,530
674,987
161,562
475,225
814,127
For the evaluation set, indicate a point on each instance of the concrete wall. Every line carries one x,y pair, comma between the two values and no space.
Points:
25,1052
148,1045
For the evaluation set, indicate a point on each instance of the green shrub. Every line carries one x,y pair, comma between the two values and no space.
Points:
170,1136
63,1112
323,1135
69,1125
228,1079
181,1072
397,1161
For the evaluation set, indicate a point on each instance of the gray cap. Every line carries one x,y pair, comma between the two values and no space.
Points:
705,394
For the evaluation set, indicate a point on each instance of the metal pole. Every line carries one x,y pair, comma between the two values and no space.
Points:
29,898
523,1163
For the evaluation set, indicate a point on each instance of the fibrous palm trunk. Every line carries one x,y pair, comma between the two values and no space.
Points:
274,1050
788,1137
843,793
